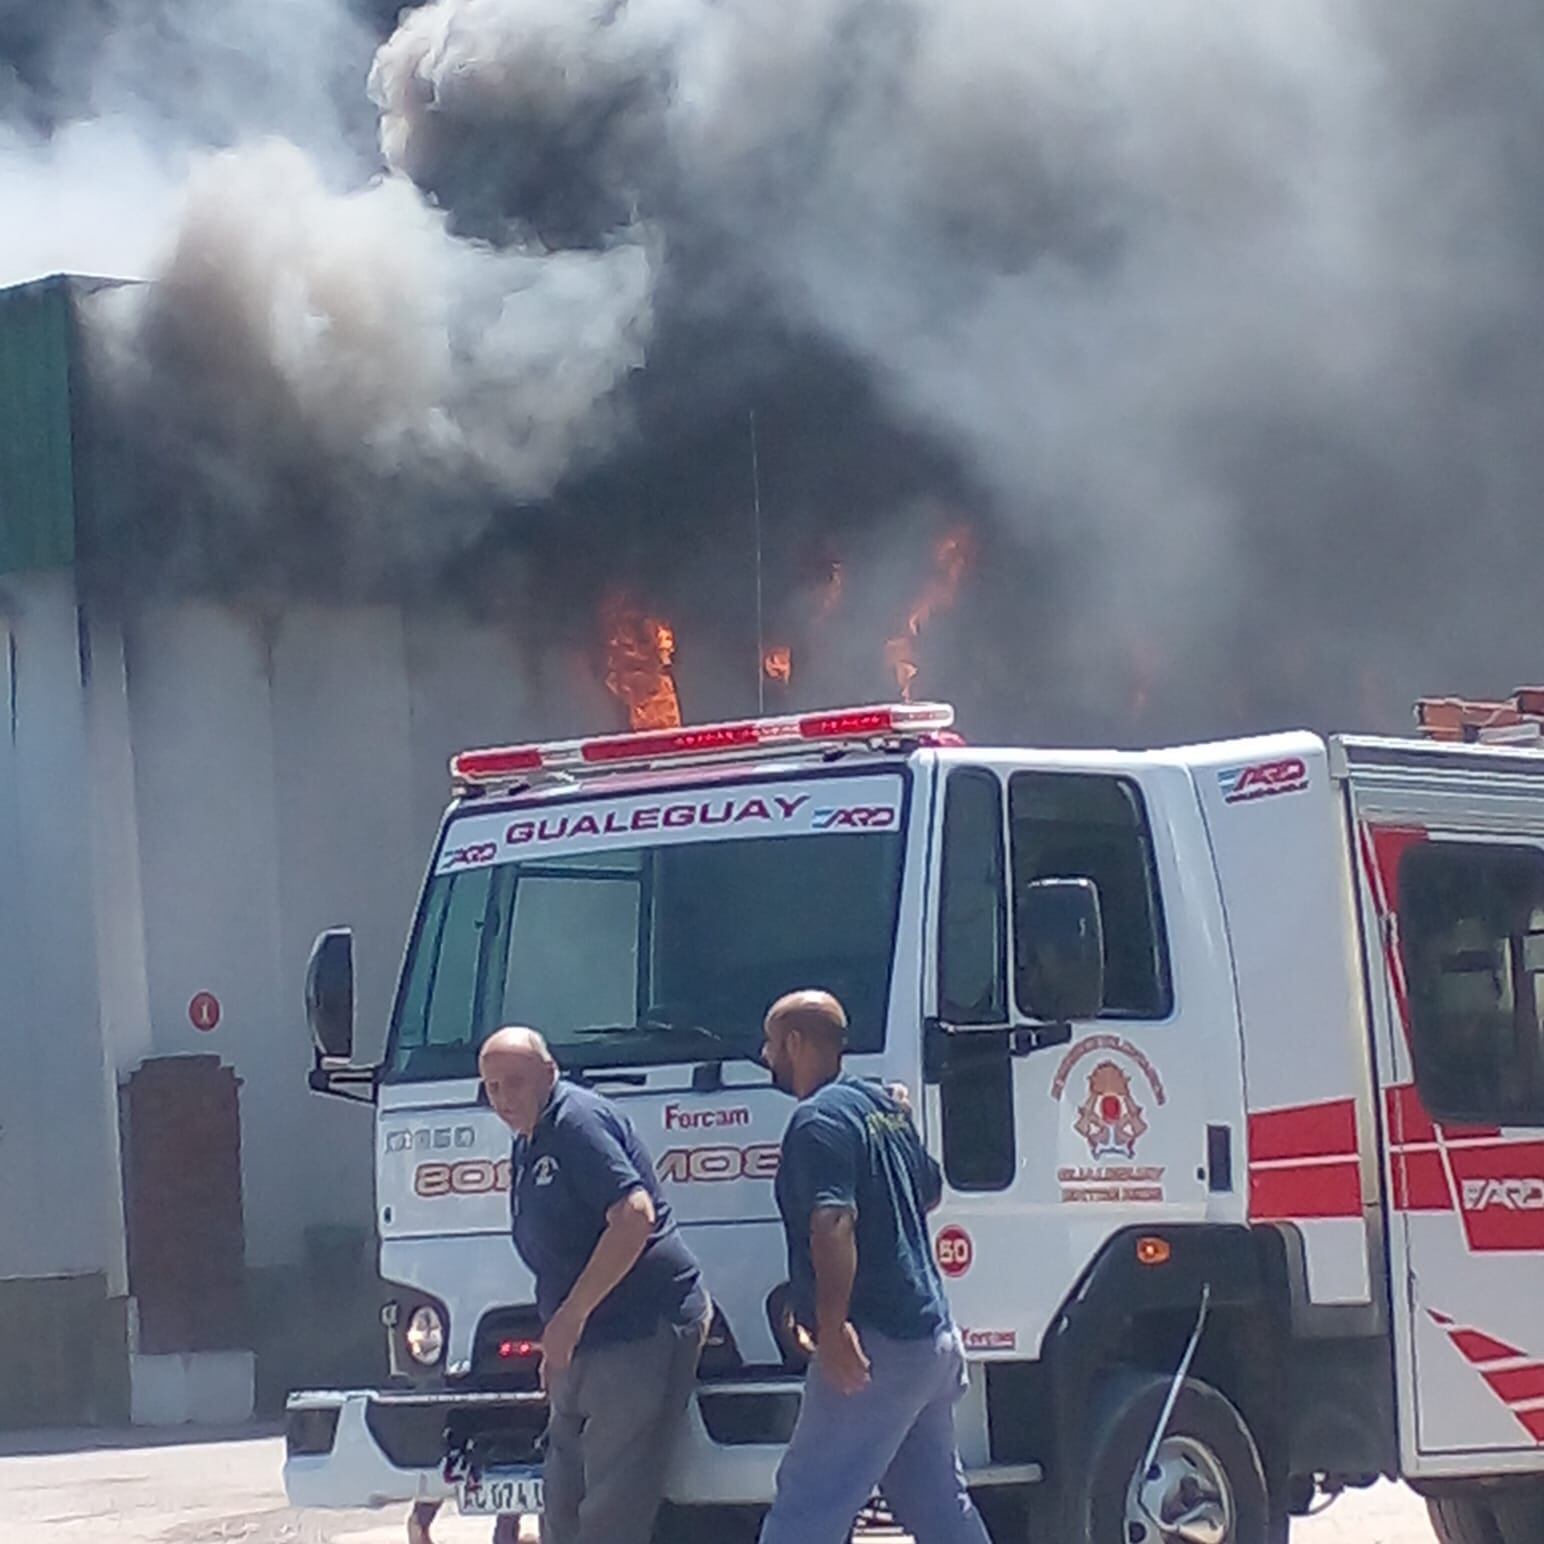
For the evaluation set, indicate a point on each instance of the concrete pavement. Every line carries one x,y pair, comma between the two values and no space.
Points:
203,1488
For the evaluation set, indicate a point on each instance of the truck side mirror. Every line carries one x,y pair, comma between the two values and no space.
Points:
330,994
1533,953
1060,950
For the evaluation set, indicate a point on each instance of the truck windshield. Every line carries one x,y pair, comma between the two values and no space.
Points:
657,953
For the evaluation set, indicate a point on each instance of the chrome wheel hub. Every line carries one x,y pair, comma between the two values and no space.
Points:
1184,1498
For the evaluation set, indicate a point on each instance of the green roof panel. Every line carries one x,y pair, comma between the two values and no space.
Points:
37,483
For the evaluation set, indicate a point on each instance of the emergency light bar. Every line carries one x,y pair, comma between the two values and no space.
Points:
839,726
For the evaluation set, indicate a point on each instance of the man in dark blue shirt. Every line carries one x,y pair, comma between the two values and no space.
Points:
620,1296
854,1187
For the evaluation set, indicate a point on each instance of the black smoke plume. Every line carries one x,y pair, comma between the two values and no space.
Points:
1219,327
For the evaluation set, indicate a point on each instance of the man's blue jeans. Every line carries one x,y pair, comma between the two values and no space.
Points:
897,1434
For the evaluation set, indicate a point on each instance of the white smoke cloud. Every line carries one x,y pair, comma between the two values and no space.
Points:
351,332
214,156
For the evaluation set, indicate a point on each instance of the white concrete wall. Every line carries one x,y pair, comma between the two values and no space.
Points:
123,987
199,710
218,788
58,1215
289,774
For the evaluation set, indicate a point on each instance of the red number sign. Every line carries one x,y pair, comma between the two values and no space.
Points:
953,1250
204,1012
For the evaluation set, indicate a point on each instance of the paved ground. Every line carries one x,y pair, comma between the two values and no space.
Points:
130,1489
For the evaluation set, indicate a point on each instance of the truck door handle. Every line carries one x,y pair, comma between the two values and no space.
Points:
1219,1159
1028,1038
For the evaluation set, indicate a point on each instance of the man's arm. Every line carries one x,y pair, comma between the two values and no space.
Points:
834,1254
628,1225
826,1165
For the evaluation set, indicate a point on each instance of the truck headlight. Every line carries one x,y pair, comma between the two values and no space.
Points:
425,1335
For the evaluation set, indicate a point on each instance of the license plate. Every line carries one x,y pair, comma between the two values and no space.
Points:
501,1495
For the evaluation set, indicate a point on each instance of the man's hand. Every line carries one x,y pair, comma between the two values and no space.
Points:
901,1094
558,1341
842,1359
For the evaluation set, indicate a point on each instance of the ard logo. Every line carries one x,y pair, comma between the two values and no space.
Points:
1263,780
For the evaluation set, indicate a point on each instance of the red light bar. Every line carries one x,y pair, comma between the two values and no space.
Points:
847,722
518,1350
669,742
703,741
489,765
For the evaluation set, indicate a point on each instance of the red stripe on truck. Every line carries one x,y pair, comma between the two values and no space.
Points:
1323,1130
1302,1192
1480,1348
1522,1383
1420,1183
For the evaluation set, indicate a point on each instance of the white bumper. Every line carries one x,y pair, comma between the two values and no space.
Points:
355,1471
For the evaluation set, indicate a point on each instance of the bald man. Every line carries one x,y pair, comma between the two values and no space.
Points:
854,1186
621,1301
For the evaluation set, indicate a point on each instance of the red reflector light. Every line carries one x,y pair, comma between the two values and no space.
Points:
517,1350
505,761
671,742
896,718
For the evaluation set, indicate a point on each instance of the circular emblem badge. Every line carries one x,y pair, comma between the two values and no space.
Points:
953,1250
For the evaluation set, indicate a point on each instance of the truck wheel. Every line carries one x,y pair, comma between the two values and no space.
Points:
1463,1520
708,1524
1502,1517
1010,1513
1206,1485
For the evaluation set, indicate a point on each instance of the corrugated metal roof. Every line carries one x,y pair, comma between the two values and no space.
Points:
37,482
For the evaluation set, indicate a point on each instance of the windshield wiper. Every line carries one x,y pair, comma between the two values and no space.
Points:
650,1026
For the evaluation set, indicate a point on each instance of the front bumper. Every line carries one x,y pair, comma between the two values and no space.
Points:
372,1447
377,1447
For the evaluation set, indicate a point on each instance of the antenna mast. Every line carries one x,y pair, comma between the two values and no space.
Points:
761,642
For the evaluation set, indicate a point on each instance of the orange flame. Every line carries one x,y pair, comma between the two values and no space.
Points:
640,653
951,557
777,663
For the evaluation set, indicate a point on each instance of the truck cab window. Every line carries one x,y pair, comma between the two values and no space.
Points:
440,991
650,955
976,1073
972,910
1074,825
573,946
1471,932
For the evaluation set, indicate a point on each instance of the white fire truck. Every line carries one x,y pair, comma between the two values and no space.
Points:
1232,1055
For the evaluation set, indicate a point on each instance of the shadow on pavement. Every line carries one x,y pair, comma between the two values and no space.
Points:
19,1444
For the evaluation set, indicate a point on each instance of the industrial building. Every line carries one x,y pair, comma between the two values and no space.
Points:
190,788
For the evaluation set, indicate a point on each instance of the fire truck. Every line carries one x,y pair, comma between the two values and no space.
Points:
1232,1056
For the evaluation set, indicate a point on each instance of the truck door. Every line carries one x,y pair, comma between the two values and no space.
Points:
1459,1005
1049,1147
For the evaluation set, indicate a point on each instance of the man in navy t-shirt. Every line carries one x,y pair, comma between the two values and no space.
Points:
620,1296
854,1187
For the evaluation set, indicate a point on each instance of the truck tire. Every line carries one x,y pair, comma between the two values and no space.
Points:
1463,1520
1208,1470
1002,1510
1500,1517
708,1524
